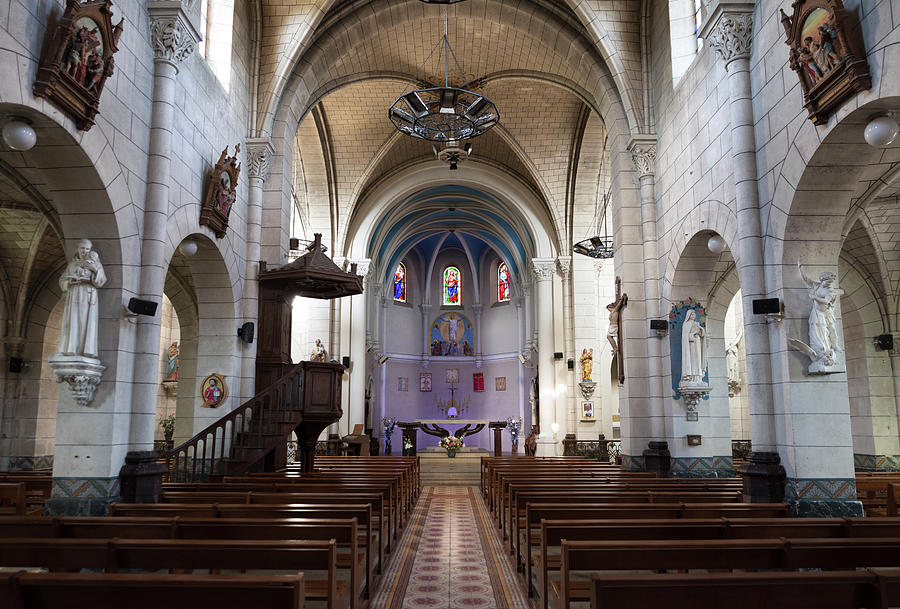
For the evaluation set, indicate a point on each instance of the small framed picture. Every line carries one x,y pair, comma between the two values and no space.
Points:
424,381
403,383
452,375
587,411
500,383
478,381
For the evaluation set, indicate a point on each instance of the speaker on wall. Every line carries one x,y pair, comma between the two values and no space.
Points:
142,307
245,332
570,364
346,361
558,355
766,306
884,342
659,324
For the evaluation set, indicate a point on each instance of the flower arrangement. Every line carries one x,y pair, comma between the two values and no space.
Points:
389,423
451,443
407,443
514,425
168,426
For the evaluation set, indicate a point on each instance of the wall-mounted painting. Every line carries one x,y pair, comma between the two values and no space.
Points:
478,381
213,390
424,381
587,411
452,334
221,193
403,383
500,383
452,376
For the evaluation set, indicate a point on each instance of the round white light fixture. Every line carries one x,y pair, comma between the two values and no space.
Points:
716,244
18,134
188,247
881,130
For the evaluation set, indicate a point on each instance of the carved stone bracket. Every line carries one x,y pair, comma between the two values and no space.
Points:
643,154
81,374
587,388
728,28
259,157
692,393
172,32
543,269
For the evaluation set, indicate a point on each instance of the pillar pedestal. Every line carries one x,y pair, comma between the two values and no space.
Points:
764,478
140,479
657,458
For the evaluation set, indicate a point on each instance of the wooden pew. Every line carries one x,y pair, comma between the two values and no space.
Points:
832,590
536,512
149,591
114,555
12,498
878,494
37,487
554,531
753,554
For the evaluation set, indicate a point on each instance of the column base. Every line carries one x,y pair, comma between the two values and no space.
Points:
569,445
657,458
141,477
826,508
82,496
764,478
546,447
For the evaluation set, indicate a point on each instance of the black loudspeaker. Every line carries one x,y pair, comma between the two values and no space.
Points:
884,342
294,243
346,361
558,355
659,324
245,332
570,364
766,306
142,307
16,364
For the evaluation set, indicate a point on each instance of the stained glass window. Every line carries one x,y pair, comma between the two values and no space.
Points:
502,283
452,286
400,283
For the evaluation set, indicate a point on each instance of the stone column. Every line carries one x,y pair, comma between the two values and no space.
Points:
520,369
426,333
358,306
728,30
564,266
478,308
259,154
528,320
174,39
544,269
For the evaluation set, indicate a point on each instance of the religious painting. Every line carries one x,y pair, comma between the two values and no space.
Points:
79,59
687,316
221,193
213,390
400,283
478,381
826,55
403,383
425,381
587,411
452,334
500,383
502,283
452,376
172,363
452,287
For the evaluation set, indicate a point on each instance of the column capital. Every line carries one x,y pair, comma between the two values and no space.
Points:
425,307
728,28
565,267
172,31
543,268
363,266
477,308
259,151
643,154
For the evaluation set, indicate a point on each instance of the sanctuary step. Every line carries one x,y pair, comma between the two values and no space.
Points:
436,468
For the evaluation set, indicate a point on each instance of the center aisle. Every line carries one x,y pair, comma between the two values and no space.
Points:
450,557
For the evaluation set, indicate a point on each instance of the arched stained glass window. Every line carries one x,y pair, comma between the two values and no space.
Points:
502,283
452,286
400,283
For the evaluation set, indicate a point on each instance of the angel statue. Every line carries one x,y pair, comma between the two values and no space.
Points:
823,344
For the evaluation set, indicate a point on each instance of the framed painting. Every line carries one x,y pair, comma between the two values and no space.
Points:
425,381
213,390
403,383
452,376
478,381
587,411
221,193
500,383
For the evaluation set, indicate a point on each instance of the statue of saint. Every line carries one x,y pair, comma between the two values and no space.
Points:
319,353
531,441
587,364
822,331
79,282
693,349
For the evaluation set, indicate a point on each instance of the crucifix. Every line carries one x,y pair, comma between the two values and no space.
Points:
614,335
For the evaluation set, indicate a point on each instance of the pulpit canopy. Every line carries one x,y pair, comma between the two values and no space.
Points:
312,275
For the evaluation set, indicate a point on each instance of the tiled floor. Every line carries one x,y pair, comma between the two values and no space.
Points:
450,557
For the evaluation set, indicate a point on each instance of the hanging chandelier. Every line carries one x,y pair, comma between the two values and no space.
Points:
443,114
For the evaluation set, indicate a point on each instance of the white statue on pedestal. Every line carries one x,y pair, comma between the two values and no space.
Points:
77,363
823,347
693,350
83,275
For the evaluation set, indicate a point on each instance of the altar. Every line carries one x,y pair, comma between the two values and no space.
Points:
435,427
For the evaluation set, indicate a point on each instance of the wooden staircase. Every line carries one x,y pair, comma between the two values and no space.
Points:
254,436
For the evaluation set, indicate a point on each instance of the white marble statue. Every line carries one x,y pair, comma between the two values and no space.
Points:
693,350
319,353
823,347
83,275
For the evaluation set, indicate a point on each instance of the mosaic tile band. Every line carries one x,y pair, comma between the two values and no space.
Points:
876,463
85,488
807,489
40,462
703,467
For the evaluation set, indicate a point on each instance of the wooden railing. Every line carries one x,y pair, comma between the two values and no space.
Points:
242,437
